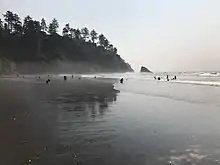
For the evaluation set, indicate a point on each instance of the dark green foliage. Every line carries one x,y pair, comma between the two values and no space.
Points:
54,25
93,36
43,25
29,42
1,24
102,40
85,33
77,34
66,30
13,22
115,50
106,44
31,27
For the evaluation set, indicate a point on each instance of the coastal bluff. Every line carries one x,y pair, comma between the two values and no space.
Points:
36,46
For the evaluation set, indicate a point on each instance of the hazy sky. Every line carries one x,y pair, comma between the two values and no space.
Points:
164,35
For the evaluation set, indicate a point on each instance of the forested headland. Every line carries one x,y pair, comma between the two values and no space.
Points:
36,46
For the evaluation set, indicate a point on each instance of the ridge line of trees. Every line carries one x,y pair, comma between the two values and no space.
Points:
29,40
12,24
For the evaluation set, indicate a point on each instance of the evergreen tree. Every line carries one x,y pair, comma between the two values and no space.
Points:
30,26
13,22
93,36
102,40
27,19
1,24
110,48
72,33
54,25
77,34
106,44
9,17
115,50
85,33
43,25
66,30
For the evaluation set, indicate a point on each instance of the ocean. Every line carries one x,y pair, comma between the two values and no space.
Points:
168,122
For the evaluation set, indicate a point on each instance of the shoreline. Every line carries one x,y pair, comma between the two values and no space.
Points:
87,121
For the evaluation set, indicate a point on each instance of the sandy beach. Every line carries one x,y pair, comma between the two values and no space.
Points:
32,113
88,121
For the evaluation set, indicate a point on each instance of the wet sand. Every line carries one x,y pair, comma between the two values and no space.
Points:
33,112
84,121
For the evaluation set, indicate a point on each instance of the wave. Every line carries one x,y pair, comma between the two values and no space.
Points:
208,83
208,74
161,95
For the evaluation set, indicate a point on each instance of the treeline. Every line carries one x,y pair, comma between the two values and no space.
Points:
32,41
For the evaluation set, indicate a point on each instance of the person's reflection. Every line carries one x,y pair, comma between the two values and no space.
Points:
87,105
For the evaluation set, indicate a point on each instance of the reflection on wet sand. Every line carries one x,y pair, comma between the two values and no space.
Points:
85,105
79,122
46,124
195,154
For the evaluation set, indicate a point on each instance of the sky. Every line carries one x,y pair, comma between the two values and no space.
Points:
163,35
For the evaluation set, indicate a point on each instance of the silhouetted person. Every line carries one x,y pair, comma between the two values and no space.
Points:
65,78
121,80
155,77
72,76
158,78
48,80
174,77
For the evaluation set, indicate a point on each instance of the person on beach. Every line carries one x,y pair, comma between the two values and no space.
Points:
65,78
155,77
48,80
174,78
158,78
121,80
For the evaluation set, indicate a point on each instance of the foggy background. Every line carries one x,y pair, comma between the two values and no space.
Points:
163,35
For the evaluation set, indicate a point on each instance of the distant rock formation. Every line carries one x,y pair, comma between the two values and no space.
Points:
144,69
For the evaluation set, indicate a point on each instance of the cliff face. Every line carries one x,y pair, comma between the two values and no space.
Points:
144,69
62,67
